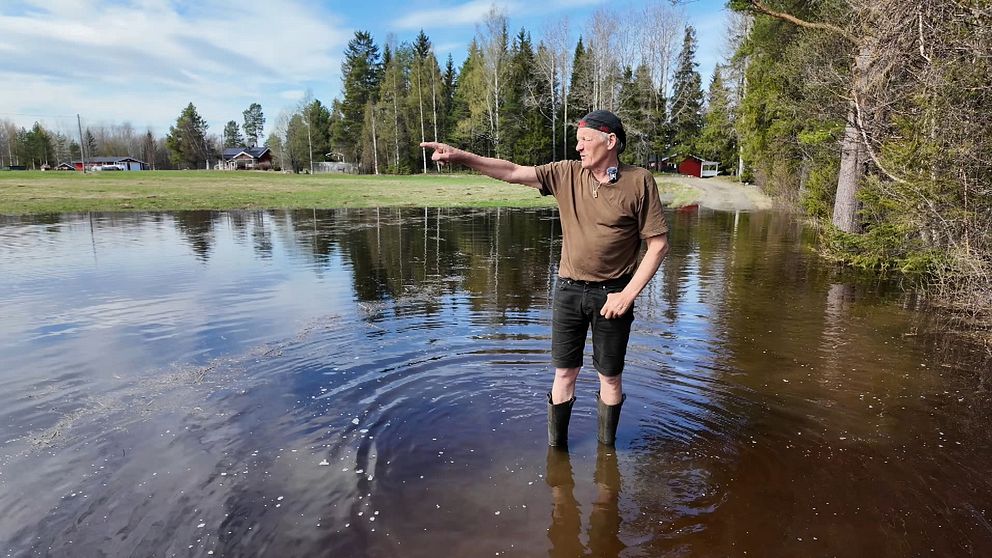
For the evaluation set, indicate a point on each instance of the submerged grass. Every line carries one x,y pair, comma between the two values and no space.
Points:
28,192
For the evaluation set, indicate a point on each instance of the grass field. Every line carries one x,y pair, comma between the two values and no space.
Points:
24,192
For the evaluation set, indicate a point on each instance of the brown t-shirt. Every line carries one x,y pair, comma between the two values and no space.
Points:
602,224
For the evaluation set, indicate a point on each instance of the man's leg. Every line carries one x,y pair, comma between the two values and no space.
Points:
610,389
563,388
560,401
609,400
609,342
568,337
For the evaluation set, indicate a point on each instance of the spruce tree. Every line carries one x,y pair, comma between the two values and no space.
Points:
449,81
579,95
687,99
360,71
717,141
187,140
468,104
637,100
232,135
580,90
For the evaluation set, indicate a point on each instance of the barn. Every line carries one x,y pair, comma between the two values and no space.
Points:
697,166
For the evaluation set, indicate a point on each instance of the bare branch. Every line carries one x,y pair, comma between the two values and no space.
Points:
761,7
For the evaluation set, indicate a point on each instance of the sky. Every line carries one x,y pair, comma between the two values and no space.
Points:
143,61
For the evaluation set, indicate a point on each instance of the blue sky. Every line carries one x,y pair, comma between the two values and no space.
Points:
142,61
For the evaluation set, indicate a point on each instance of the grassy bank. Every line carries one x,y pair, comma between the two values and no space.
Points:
60,192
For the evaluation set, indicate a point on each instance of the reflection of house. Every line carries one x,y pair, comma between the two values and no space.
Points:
247,158
111,163
692,166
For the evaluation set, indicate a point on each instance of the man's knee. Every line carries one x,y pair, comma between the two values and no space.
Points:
567,374
610,382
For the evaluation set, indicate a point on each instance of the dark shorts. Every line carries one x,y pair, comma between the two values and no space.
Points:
576,307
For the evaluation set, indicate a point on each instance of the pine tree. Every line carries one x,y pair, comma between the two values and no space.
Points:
687,99
254,123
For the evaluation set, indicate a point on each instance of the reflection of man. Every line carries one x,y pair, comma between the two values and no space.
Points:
606,209
604,518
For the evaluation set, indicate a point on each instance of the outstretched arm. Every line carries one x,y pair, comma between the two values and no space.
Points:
499,169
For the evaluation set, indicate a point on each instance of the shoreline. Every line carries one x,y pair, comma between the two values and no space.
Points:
37,192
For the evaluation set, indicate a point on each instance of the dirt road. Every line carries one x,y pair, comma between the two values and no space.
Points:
716,193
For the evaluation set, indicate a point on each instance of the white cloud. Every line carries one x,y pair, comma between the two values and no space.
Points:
293,94
464,14
105,58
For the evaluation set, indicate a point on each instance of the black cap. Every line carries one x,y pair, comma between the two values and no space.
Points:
606,121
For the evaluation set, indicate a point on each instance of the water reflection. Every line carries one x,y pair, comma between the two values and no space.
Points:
603,537
371,382
564,533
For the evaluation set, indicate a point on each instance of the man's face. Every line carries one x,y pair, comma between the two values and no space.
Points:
593,146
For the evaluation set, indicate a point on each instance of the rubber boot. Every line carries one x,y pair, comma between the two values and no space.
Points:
558,416
609,419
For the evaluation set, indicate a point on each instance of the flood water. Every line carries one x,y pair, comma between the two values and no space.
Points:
372,383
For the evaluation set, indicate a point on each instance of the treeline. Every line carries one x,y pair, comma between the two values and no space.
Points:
514,97
873,116
188,145
38,146
517,97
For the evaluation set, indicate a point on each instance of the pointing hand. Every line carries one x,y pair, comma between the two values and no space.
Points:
443,153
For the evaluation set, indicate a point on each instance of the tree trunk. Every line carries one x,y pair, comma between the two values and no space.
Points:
852,149
437,165
554,110
375,144
420,103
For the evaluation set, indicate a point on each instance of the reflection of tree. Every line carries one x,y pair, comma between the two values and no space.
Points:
500,256
198,228
252,226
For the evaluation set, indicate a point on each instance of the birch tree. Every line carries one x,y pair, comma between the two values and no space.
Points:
493,44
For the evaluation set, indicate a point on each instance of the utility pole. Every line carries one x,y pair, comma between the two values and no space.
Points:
82,156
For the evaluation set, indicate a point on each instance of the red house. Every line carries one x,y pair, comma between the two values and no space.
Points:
695,166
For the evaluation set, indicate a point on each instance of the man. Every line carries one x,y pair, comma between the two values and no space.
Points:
606,210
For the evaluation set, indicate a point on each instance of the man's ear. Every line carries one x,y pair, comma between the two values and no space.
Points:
611,141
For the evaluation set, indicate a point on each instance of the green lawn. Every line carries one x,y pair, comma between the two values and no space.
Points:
23,192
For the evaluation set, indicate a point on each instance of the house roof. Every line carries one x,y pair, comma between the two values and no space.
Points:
689,156
105,160
254,152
